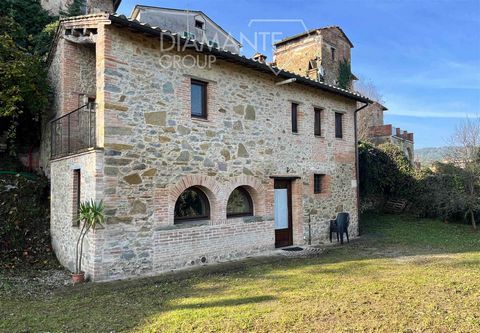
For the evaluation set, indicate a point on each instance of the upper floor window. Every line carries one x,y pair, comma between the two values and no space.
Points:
338,125
318,121
239,203
294,117
332,50
198,99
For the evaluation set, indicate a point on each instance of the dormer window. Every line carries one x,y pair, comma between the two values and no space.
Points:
199,24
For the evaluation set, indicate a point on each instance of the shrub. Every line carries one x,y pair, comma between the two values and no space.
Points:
385,173
439,194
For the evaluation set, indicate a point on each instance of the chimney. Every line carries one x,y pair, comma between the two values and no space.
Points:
259,57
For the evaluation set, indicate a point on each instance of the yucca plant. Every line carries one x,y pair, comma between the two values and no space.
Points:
90,215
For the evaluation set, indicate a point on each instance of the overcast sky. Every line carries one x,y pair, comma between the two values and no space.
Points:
423,56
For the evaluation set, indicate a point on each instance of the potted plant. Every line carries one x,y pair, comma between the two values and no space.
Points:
90,215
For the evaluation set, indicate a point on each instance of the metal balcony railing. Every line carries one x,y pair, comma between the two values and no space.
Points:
73,132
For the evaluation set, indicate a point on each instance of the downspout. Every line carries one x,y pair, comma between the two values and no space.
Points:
357,163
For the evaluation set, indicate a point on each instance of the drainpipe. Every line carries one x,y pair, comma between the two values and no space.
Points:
357,164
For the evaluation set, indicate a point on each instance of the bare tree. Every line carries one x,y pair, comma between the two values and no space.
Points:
465,154
371,115
367,88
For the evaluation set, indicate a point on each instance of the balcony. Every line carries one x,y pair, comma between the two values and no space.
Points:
74,132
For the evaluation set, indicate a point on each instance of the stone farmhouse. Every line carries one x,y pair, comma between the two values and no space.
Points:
219,157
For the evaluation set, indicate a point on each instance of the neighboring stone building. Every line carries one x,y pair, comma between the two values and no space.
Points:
371,128
209,160
315,53
192,24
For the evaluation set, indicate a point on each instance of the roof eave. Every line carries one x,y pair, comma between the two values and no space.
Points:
235,58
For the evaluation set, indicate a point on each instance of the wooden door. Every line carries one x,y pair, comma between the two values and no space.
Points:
283,212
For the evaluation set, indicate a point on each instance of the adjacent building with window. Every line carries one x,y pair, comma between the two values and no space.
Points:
194,164
372,128
192,24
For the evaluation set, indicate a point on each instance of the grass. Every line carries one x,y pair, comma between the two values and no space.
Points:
402,275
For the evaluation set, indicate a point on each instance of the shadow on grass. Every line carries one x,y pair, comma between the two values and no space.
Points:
123,305
221,303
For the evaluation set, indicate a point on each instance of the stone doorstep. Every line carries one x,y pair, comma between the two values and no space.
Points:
314,250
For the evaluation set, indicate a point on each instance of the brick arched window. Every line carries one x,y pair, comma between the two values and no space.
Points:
239,203
192,205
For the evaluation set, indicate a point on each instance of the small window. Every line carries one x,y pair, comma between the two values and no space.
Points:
332,50
199,24
318,121
191,205
76,190
338,125
239,203
318,183
199,99
294,117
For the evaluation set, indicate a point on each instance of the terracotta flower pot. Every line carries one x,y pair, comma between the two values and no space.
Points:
78,278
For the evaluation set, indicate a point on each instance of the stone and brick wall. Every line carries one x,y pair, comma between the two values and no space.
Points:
72,75
153,150
64,229
295,55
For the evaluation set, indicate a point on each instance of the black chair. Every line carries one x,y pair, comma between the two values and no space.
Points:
340,226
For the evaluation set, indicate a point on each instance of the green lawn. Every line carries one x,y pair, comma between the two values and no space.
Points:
402,275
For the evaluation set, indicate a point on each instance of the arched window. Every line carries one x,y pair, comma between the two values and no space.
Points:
239,203
192,205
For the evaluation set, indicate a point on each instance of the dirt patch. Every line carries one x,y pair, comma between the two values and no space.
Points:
33,283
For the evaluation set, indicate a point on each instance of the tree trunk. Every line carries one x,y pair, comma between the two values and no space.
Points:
77,263
81,249
472,218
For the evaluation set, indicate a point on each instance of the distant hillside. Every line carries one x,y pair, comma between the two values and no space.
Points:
427,156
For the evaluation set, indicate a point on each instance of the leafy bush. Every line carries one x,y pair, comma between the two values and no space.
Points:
439,194
385,173
441,191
